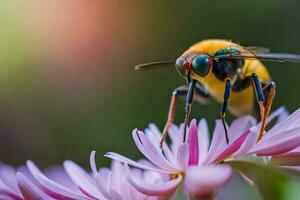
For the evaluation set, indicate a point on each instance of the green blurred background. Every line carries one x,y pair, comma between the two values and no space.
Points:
66,68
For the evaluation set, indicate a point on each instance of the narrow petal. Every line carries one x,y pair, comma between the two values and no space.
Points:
52,188
204,181
239,126
173,133
232,148
183,156
291,122
278,144
93,162
102,186
156,189
156,139
8,176
82,179
7,192
248,143
149,151
29,190
218,142
123,159
203,136
193,144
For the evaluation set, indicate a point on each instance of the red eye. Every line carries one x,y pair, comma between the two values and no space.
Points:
187,65
211,64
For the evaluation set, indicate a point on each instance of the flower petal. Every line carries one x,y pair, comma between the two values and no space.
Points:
291,122
193,144
278,144
203,136
123,159
218,142
82,179
29,190
8,176
156,189
152,153
205,180
155,133
183,156
52,188
248,143
102,186
232,148
8,193
239,126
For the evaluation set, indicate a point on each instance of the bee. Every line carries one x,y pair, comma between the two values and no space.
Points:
227,72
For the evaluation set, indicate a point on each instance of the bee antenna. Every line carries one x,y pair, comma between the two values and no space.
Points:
153,65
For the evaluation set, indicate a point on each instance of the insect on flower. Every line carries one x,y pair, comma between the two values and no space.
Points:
224,71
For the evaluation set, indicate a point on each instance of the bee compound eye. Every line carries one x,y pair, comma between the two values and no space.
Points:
201,65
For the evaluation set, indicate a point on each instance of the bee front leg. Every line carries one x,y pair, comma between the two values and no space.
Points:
264,105
224,107
269,91
180,91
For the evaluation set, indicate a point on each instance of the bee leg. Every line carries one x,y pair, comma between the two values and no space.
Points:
260,99
269,91
224,108
188,106
180,91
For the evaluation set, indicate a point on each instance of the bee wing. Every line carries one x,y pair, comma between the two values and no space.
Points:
274,57
282,57
257,50
153,65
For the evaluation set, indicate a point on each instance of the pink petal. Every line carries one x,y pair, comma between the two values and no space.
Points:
123,159
193,143
102,186
52,188
183,156
173,133
82,179
218,142
156,189
5,191
295,150
278,144
204,181
248,143
239,126
29,190
8,176
291,122
152,153
154,132
236,135
203,136
232,148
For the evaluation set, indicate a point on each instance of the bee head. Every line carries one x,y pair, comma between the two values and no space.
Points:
200,64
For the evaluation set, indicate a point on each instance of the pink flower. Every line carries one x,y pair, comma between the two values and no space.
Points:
71,183
179,161
197,163
112,183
